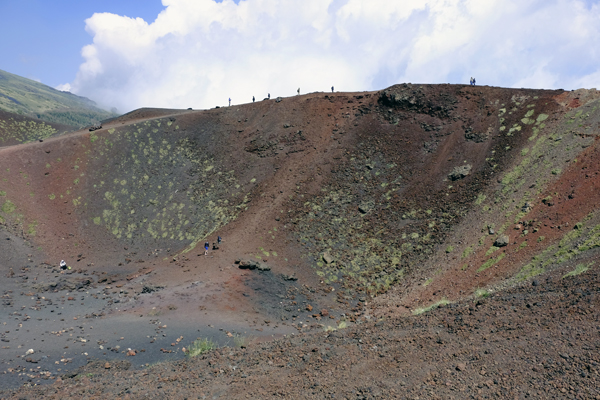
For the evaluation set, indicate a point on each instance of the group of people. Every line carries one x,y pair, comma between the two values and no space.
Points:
298,91
214,245
472,82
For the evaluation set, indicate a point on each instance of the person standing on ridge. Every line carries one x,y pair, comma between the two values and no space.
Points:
474,82
332,89
253,99
269,96
298,90
219,239
206,246
230,102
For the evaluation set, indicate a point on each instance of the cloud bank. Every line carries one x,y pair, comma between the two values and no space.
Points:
199,53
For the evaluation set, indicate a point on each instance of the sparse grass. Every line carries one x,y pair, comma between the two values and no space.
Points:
491,262
419,311
467,252
480,198
200,346
449,249
579,269
154,312
154,364
8,207
479,293
528,271
240,341
491,250
341,325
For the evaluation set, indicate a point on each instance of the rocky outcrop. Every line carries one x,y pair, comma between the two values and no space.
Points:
460,172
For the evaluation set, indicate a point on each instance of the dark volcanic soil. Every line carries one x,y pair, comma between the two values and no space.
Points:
342,215
536,341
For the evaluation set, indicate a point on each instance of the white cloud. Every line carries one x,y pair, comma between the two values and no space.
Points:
198,53
64,87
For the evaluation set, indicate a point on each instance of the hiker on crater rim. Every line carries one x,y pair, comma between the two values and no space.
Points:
298,90
219,239
230,102
332,89
206,246
253,99
269,96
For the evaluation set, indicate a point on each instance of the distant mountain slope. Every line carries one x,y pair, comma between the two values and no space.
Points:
17,129
26,97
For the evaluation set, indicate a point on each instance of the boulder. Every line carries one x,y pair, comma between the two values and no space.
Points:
527,207
502,241
365,207
328,258
263,267
460,172
249,264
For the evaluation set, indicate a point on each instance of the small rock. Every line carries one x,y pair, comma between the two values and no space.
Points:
248,264
328,258
502,241
263,267
527,207
309,308
365,207
461,366
107,365
460,172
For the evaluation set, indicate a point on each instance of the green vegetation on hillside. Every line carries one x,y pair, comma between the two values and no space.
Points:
24,131
26,97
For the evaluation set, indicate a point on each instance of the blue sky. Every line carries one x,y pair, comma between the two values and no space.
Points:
198,53
42,39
